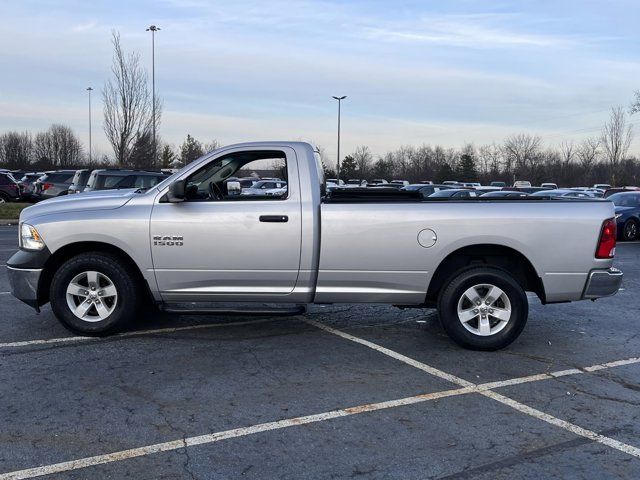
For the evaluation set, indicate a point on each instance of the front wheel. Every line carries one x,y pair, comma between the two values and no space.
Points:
93,294
483,308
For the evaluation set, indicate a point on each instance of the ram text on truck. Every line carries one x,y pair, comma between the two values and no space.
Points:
97,257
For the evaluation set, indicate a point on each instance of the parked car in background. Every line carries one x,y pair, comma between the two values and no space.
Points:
401,183
485,188
335,181
27,184
603,186
79,181
498,184
522,184
425,190
451,182
470,184
53,184
266,187
611,191
9,188
455,193
553,186
505,194
528,190
596,192
563,192
378,181
627,215
113,178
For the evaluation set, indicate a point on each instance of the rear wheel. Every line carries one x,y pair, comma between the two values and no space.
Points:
3,198
483,308
630,230
93,294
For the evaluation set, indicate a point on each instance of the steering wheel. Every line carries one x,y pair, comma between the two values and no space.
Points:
215,193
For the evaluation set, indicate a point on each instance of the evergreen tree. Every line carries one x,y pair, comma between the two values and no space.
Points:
168,158
445,172
190,150
467,168
348,168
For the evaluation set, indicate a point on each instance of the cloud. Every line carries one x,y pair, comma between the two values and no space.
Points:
83,27
473,31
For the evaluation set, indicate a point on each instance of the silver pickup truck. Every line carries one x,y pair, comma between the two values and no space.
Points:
98,257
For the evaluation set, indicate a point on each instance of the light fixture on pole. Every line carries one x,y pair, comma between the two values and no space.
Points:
339,99
89,89
153,29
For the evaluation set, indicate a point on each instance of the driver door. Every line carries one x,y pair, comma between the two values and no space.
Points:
230,247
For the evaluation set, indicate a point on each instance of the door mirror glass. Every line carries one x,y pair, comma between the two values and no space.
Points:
234,188
177,191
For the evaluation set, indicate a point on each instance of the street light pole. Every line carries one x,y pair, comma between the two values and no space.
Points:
339,99
89,89
153,29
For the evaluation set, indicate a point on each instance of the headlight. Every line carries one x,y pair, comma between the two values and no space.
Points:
30,239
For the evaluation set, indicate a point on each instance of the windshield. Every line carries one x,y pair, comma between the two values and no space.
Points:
625,199
444,193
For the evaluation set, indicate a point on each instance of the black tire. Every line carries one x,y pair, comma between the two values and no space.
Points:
4,197
452,293
124,308
631,230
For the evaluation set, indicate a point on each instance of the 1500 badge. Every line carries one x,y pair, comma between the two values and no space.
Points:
168,240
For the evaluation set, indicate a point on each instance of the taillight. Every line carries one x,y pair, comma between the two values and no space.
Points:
607,243
46,186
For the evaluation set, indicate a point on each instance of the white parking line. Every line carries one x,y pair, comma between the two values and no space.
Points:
485,389
398,356
482,389
132,334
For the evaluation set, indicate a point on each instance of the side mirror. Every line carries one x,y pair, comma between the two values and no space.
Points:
177,191
234,188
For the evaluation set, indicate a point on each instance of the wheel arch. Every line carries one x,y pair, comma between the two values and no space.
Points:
68,251
501,256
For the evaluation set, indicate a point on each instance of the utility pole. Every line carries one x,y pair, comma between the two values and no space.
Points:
89,89
339,99
153,29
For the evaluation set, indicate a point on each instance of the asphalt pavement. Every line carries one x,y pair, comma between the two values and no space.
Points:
344,391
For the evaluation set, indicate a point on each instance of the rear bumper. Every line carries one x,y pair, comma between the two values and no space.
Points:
602,283
24,284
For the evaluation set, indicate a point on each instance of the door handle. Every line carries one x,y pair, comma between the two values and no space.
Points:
274,218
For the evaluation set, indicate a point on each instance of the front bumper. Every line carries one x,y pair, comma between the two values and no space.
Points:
24,284
602,283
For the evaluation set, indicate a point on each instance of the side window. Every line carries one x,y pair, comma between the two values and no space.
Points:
247,175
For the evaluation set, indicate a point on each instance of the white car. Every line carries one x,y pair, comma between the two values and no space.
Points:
266,187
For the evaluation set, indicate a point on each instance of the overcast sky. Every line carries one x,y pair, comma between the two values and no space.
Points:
437,72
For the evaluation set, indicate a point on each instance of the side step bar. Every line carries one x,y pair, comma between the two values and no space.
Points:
251,311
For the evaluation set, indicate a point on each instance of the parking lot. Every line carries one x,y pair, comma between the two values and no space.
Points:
343,391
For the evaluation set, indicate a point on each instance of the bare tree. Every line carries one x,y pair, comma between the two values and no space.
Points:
58,147
635,105
211,146
127,103
588,152
363,158
16,150
521,151
616,138
490,158
568,151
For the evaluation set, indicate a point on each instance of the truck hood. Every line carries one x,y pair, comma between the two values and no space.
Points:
99,200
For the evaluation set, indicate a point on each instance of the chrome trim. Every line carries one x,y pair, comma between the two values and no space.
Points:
602,283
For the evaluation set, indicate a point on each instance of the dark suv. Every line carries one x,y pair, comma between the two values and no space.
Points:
53,184
9,189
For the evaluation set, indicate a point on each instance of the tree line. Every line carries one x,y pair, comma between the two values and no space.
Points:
601,159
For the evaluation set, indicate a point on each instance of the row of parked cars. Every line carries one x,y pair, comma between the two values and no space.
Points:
625,199
19,185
